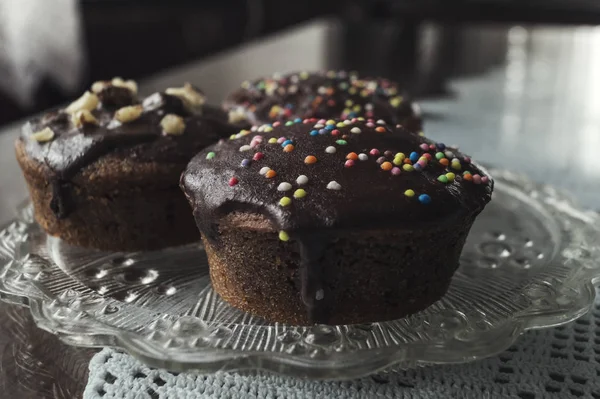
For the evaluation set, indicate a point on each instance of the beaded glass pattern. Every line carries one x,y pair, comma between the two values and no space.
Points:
530,261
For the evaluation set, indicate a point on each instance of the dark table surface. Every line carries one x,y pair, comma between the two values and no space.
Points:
523,98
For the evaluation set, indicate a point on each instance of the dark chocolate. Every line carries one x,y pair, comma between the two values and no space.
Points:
332,94
372,168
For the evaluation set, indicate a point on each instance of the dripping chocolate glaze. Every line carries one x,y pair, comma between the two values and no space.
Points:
369,197
73,149
325,95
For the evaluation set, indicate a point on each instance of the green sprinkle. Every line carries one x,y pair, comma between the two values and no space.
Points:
289,123
443,179
300,193
283,236
341,142
210,155
440,155
285,201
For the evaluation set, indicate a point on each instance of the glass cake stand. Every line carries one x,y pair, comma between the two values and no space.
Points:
530,261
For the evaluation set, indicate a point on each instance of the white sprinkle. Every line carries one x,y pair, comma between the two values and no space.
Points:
363,157
333,185
301,180
245,148
322,90
264,170
319,126
285,186
319,295
355,130
347,122
381,122
330,150
449,154
369,107
416,109
293,89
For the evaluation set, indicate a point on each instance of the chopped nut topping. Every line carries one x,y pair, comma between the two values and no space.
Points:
172,124
97,87
129,113
88,101
44,135
83,117
237,115
190,96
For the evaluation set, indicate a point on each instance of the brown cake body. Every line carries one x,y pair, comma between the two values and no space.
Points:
325,240
99,182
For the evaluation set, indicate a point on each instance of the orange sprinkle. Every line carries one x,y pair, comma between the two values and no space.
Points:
270,174
468,177
444,161
310,159
380,129
407,161
387,166
288,148
353,156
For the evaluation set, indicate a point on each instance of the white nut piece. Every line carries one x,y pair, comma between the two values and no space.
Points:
44,135
172,124
127,84
98,86
237,115
88,101
129,113
83,117
188,94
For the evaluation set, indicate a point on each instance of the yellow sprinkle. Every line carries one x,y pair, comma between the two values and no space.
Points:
456,165
340,124
398,161
268,129
283,236
421,134
330,122
361,119
303,75
396,101
352,90
408,168
233,137
285,201
409,193
349,103
300,193
400,155
357,108
272,140
450,176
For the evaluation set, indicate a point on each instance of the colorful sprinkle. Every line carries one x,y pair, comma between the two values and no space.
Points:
439,155
286,143
299,193
288,148
310,159
281,140
352,156
258,156
476,179
355,130
388,153
485,179
380,129
380,160
414,157
264,170
272,140
424,146
330,150
314,132
283,236
409,193
386,166
374,152
245,163
233,181
424,199
270,174
285,186
210,155
349,163
302,179
245,148
407,167
450,176
335,132
468,176
363,157
396,171
333,185
442,178
285,201
341,142
444,161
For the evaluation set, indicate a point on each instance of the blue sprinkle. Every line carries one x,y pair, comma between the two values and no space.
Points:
414,156
424,199
441,146
352,114
417,166
314,132
289,106
330,127
245,163
286,143
322,131
297,120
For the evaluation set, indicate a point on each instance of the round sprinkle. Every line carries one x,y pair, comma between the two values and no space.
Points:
352,156
417,166
374,152
380,160
363,157
386,166
427,156
288,148
424,199
409,193
270,174
210,155
380,122
285,201
286,143
281,140
444,161
355,130
310,159
388,153
285,186
283,236
233,181
424,146
264,170
341,142
398,161
272,140
441,146
333,185
349,163
439,155
467,159
245,163
245,148
476,179
485,179
258,156
407,167
314,132
442,178
396,171
330,150
450,176
300,193
456,165
414,157
449,154
335,132
468,176
302,179
380,129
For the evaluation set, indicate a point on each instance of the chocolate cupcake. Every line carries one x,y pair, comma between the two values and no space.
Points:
332,94
104,172
333,222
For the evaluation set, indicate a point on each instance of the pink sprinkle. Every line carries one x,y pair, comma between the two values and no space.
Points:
396,171
424,147
485,179
374,152
349,163
428,156
277,123
370,124
467,159
476,179
306,121
354,120
281,140
322,121
422,163
432,146
258,156
233,181
335,132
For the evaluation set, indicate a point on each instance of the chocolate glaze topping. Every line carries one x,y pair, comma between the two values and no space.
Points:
332,94
74,148
314,178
